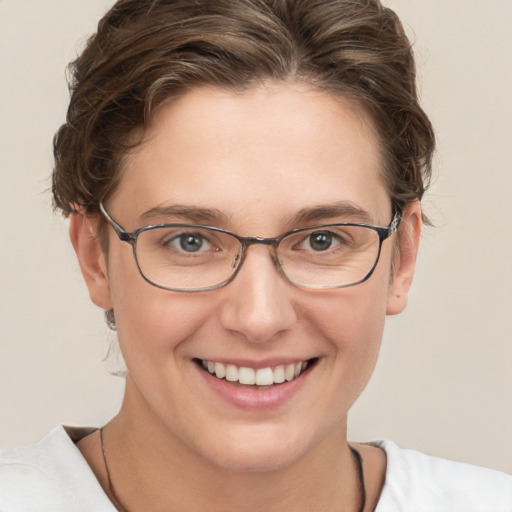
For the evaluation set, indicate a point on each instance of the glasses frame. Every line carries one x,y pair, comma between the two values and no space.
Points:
383,232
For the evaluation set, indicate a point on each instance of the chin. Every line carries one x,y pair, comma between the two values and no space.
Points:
258,449
255,460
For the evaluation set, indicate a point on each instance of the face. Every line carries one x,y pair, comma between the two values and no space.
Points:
251,163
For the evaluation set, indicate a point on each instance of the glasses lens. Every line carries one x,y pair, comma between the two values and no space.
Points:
187,257
329,256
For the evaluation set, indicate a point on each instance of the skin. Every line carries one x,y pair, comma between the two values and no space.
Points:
257,158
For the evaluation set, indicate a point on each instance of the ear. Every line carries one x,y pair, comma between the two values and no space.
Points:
83,231
405,258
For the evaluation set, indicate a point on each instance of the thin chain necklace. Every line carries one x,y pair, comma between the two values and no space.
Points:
117,501
121,508
360,476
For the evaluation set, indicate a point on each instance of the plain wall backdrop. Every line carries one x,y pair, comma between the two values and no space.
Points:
444,381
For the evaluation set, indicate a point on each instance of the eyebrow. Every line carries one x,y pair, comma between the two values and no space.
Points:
192,214
344,209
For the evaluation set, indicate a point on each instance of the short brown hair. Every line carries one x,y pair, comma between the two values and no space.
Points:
146,52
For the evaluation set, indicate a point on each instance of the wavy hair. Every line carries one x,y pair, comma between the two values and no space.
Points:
145,52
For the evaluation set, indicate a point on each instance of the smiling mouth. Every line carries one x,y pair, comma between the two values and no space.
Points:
261,377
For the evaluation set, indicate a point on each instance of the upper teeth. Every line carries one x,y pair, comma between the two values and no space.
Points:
255,377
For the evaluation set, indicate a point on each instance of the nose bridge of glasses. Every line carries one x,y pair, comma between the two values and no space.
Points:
256,240
253,240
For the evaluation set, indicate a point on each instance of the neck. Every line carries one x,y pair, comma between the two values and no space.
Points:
149,464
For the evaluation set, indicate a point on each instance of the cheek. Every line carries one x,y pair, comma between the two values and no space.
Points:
353,323
156,321
150,320
353,318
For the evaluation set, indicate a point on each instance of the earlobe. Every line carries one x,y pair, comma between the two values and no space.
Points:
83,235
405,259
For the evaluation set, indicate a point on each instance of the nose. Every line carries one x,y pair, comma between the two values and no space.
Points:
258,303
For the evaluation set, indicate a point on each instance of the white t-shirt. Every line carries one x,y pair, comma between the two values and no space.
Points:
52,476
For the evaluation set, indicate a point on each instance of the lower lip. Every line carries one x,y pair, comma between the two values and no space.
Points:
252,398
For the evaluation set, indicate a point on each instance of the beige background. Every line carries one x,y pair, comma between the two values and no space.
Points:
444,381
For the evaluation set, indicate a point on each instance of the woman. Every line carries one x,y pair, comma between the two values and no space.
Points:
243,181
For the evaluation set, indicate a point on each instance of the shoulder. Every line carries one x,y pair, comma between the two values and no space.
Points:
50,475
418,482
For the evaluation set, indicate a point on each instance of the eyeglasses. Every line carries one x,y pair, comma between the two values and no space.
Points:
193,258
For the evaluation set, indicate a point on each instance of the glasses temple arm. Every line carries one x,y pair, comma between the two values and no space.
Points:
121,233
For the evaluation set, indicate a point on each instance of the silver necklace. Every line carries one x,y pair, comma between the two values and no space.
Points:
121,508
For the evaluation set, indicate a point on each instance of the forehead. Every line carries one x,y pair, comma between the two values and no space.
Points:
272,150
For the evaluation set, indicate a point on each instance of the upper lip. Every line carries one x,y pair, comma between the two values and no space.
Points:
257,364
